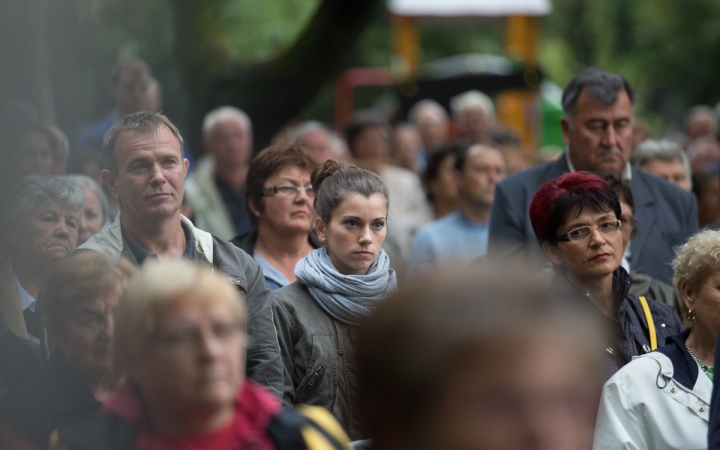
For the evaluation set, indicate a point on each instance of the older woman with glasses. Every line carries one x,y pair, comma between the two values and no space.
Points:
662,400
576,219
280,205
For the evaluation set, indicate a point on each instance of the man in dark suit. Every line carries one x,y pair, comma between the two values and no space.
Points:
597,130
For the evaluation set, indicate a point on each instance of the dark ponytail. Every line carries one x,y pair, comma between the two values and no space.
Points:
332,180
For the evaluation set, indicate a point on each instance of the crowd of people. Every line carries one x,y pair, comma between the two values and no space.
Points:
425,284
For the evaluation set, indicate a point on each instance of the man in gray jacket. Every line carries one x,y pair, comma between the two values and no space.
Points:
597,129
145,174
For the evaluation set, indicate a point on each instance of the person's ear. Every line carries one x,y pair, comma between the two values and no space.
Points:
186,166
110,182
255,210
552,252
686,292
321,230
565,127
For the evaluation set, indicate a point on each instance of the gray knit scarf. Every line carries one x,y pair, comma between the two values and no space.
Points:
347,298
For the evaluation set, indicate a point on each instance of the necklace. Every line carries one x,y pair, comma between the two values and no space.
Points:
709,370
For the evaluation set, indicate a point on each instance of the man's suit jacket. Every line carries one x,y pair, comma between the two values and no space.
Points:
666,217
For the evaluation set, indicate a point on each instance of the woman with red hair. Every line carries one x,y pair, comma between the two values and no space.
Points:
576,219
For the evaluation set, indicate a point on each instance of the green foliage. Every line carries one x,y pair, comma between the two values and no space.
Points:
667,48
260,29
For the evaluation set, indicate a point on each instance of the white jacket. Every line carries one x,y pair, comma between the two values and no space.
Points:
657,401
209,210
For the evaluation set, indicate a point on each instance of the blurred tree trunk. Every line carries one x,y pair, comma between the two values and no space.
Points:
273,92
23,57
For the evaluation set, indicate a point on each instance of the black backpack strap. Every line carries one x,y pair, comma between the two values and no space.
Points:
284,431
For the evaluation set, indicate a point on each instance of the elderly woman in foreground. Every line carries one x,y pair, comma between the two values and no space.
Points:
77,303
180,343
576,219
661,400
43,223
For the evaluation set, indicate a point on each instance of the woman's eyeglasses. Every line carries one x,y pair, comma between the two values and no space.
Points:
583,233
288,191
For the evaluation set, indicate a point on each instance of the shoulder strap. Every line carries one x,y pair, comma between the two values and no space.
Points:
285,430
650,322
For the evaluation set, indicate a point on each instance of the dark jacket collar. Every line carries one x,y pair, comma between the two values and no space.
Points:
621,286
685,369
65,391
246,241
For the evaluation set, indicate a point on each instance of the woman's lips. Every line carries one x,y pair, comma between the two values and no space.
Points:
158,195
601,257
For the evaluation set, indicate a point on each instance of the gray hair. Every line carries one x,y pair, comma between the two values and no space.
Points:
224,114
86,181
703,111
144,122
426,105
472,99
36,191
601,85
663,149
307,127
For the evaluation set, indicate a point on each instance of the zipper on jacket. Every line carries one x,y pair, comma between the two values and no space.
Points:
313,378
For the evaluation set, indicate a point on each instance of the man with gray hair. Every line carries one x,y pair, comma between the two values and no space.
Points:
216,191
700,121
145,174
597,130
432,122
474,115
318,138
664,159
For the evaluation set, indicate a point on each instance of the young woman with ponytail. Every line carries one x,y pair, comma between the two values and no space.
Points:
338,286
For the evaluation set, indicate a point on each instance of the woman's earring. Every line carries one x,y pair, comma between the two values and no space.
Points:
690,315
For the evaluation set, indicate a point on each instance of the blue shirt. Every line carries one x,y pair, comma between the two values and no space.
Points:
273,277
451,240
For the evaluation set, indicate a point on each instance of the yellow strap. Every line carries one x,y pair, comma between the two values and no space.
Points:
650,322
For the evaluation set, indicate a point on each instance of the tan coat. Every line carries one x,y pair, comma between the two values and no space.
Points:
209,211
10,303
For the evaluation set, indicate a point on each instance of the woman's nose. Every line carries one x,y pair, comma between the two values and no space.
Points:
366,236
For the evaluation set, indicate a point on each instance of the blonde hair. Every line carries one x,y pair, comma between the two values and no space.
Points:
159,284
81,277
695,261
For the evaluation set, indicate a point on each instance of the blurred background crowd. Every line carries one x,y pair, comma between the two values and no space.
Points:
322,155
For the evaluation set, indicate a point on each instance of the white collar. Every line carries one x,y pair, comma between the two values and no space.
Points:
27,300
